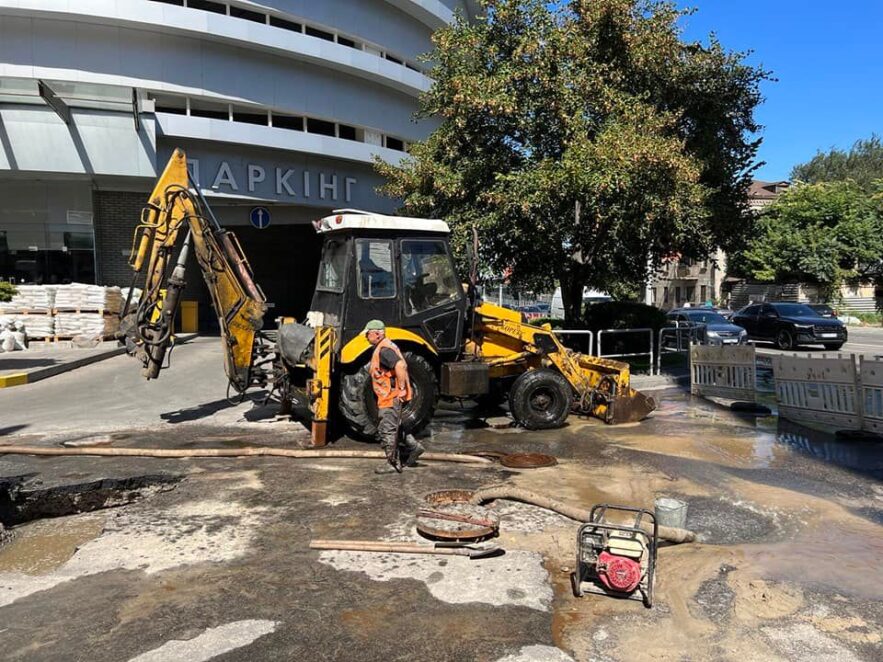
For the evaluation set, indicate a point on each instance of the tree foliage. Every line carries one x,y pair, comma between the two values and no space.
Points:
863,164
586,142
825,233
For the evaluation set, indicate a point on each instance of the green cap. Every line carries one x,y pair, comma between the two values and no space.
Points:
374,325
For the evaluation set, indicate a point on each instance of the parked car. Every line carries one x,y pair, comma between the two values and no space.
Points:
709,327
790,325
823,310
532,312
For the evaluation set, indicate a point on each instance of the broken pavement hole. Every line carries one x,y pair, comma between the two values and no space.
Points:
718,521
25,498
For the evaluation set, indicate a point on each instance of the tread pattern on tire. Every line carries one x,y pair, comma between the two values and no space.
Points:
358,409
518,398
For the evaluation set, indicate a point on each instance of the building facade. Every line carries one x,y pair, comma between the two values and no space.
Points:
686,282
279,104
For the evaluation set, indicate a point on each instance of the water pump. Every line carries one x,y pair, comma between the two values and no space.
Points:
617,559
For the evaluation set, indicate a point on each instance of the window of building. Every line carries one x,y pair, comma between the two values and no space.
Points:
277,22
664,295
704,292
320,126
321,34
690,293
170,104
349,43
291,122
346,132
207,5
678,294
392,58
249,116
217,111
179,3
376,277
428,278
247,14
395,143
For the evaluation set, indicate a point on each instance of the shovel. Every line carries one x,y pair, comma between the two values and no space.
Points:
449,548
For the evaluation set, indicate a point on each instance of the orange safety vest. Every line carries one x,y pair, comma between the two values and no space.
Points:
383,380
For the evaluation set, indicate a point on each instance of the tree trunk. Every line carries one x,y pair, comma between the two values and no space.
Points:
572,299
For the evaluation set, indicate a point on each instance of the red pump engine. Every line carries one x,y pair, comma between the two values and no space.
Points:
618,573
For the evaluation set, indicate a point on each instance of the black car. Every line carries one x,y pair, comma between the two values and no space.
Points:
823,310
709,326
790,325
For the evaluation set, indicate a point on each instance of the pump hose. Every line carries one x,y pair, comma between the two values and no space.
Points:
247,451
667,533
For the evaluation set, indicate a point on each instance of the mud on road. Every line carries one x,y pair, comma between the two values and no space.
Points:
209,558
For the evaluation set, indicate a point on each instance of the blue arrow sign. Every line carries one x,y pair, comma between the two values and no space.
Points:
260,217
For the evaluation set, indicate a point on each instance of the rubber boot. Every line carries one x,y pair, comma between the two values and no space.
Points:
413,450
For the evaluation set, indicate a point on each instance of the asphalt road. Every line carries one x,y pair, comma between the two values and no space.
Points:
209,559
864,341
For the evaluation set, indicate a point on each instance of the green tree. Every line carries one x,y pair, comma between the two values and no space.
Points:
825,233
863,164
586,142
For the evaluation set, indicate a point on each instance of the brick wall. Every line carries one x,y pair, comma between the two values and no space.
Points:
116,216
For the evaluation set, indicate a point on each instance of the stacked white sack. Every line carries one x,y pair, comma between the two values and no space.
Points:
80,296
30,297
35,326
93,325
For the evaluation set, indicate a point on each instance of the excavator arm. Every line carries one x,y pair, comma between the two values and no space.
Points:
147,325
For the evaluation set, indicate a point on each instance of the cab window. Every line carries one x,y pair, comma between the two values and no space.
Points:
428,276
376,277
332,270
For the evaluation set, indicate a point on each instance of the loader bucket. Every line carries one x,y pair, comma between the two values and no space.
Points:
630,406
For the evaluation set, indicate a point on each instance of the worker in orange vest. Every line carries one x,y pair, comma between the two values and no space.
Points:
392,386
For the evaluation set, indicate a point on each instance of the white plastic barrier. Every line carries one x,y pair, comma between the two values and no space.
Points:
872,388
821,390
723,371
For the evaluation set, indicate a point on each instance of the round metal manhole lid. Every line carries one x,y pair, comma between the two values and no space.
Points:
458,521
528,460
448,515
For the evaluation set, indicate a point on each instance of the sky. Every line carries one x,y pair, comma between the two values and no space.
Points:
828,59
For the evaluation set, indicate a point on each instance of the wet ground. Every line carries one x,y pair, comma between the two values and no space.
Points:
197,559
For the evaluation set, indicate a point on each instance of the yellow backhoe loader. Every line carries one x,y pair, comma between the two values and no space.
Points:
396,269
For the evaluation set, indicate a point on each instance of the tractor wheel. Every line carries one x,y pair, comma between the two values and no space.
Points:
540,399
357,403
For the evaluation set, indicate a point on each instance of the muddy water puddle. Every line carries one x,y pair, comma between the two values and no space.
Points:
44,545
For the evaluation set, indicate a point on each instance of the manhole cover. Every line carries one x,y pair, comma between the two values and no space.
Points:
528,460
457,521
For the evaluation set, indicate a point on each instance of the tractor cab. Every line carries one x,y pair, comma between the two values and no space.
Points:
391,268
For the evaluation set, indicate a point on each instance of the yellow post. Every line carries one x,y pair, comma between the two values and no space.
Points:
319,387
189,316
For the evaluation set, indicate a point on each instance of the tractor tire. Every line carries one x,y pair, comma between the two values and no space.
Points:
540,399
357,403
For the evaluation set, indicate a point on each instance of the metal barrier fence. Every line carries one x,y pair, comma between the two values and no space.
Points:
679,332
610,332
871,374
821,390
577,332
723,371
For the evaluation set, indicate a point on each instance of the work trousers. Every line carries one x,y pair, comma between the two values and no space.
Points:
388,429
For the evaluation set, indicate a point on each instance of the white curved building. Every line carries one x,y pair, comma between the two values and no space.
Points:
281,104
